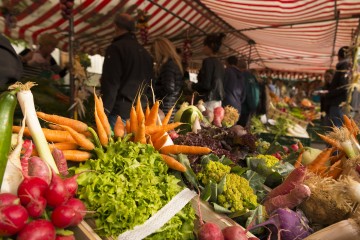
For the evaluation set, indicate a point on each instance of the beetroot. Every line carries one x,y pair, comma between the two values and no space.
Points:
31,188
57,193
79,208
8,199
210,231
234,233
40,229
63,216
36,207
39,168
12,219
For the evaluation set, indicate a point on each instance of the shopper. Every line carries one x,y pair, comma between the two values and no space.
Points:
324,102
337,91
10,64
233,84
211,74
126,67
169,73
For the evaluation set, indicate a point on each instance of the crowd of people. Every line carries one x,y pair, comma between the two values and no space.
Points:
129,69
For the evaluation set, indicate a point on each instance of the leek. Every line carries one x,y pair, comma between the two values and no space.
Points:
346,229
26,102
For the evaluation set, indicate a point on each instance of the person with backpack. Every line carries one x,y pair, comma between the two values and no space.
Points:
252,94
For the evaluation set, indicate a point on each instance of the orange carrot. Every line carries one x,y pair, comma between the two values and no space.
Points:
56,127
155,128
155,136
140,134
119,128
160,142
133,120
59,145
76,155
335,170
147,111
334,159
173,163
347,123
153,115
139,111
177,149
168,116
298,160
127,126
355,127
80,139
99,108
75,124
103,137
331,141
320,160
50,135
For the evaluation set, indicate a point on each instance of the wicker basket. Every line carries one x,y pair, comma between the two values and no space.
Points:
274,113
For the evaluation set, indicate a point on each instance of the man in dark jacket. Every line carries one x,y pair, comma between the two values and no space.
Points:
127,66
234,85
10,64
337,91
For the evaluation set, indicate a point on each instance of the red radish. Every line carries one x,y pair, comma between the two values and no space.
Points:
219,113
173,135
253,238
79,208
286,149
8,199
57,193
60,237
295,147
27,148
40,229
277,155
71,184
60,161
12,219
210,231
234,233
63,216
36,207
39,168
31,188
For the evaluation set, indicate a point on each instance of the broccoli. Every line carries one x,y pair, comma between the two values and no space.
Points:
237,194
270,160
214,171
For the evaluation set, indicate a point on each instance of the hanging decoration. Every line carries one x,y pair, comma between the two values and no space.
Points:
143,26
186,51
9,13
289,76
66,7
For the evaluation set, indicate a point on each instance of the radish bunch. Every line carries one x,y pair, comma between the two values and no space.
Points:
39,208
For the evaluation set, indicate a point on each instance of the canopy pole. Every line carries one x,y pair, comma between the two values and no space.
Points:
71,64
337,14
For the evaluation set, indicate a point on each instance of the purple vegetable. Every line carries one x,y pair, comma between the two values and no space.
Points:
60,161
39,168
287,224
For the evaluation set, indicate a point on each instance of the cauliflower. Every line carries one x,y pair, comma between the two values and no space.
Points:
237,194
214,171
270,160
231,116
262,146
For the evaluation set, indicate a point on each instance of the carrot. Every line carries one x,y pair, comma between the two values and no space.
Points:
56,127
155,128
127,126
61,146
157,135
76,155
99,108
320,160
50,135
80,139
75,124
335,170
147,111
355,127
119,128
173,163
160,142
140,133
331,141
153,115
334,159
103,137
177,149
299,160
139,111
347,123
168,116
133,120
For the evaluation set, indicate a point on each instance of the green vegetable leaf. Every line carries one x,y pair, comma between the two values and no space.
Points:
256,182
221,185
210,157
214,193
206,193
189,174
238,170
220,209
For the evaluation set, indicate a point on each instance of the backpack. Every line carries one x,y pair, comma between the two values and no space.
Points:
252,87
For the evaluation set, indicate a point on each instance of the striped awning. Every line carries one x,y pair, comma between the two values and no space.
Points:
294,35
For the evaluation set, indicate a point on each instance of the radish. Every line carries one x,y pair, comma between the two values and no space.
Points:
295,147
12,219
234,233
210,231
60,237
31,188
39,168
27,148
8,199
36,207
60,161
219,114
63,216
57,193
79,208
40,229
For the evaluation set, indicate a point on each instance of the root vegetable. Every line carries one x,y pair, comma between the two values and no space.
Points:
12,219
60,161
234,233
60,237
63,216
31,188
219,113
8,199
40,229
39,168
80,210
36,207
57,193
210,231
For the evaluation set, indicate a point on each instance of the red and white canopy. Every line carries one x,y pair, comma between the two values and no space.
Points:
293,35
